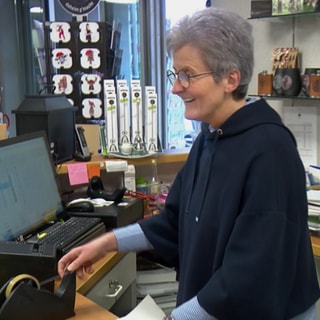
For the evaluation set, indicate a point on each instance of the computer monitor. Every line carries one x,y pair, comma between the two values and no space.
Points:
29,195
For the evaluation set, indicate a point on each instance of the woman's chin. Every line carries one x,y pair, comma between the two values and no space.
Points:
191,116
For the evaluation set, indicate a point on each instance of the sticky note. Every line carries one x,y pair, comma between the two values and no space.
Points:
93,170
77,173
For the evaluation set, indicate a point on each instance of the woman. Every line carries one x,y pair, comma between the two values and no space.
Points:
235,221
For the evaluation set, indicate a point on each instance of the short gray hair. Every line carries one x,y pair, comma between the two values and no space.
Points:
224,39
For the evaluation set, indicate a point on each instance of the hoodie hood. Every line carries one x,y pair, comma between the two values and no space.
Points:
247,117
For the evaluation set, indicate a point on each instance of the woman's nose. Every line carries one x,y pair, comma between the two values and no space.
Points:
177,87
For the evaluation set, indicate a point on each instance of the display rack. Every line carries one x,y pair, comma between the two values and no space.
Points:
79,56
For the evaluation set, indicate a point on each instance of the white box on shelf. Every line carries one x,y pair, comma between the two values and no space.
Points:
130,178
136,113
124,114
151,118
110,102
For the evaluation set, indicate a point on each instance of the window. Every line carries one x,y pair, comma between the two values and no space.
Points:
180,131
143,27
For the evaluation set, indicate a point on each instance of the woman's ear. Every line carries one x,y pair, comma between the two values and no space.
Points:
233,79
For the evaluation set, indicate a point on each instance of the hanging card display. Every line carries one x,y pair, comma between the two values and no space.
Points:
78,60
91,108
61,58
60,32
90,58
62,83
89,32
90,83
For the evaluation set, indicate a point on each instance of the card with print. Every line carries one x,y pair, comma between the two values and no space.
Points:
91,108
61,58
62,83
90,58
90,83
60,32
89,32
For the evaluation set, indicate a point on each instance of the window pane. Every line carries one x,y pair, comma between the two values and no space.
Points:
180,131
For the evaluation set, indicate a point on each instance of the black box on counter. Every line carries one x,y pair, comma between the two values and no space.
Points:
128,211
261,8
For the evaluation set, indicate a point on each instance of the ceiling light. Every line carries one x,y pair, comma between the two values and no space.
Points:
36,10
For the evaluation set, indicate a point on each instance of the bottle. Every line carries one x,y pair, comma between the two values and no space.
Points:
153,188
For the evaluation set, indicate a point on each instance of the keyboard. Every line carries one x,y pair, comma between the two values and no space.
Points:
70,233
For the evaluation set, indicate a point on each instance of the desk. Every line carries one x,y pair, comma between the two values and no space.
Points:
315,240
86,309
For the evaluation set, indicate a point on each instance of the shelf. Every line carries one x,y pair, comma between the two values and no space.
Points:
284,97
291,15
168,156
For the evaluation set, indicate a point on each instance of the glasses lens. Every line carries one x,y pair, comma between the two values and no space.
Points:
171,76
183,78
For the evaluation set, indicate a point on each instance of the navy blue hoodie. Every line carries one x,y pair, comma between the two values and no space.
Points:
235,221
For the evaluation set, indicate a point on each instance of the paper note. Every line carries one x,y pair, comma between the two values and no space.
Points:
93,170
77,173
302,121
147,309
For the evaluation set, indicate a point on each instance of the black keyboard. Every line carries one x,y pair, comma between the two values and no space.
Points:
70,233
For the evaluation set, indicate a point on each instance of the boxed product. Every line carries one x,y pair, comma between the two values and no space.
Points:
261,8
283,7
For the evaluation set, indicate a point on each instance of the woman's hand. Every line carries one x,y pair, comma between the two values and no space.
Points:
81,259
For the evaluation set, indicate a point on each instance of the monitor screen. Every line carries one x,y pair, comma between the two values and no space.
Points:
29,195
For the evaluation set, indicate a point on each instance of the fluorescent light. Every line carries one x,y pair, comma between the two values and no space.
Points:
36,10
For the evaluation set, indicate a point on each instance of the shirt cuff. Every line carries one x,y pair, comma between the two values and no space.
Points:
131,238
191,310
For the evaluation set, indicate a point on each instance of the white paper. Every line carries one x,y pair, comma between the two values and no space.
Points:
302,121
147,309
313,195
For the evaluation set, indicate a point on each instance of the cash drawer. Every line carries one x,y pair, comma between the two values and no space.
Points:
112,286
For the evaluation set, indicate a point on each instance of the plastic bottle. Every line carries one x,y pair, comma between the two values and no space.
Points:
154,187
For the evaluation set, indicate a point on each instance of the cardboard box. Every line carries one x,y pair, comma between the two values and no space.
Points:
261,8
265,84
91,132
3,131
314,88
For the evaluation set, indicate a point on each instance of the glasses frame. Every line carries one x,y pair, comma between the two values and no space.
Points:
185,83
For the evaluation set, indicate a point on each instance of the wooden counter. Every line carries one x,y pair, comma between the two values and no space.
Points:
315,245
86,309
167,157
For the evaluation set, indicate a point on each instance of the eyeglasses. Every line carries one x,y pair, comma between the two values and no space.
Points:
183,77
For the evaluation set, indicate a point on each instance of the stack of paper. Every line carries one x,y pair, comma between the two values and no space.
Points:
313,210
159,283
147,309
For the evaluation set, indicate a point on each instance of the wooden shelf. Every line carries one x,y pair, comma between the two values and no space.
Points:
288,15
315,245
168,156
273,97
